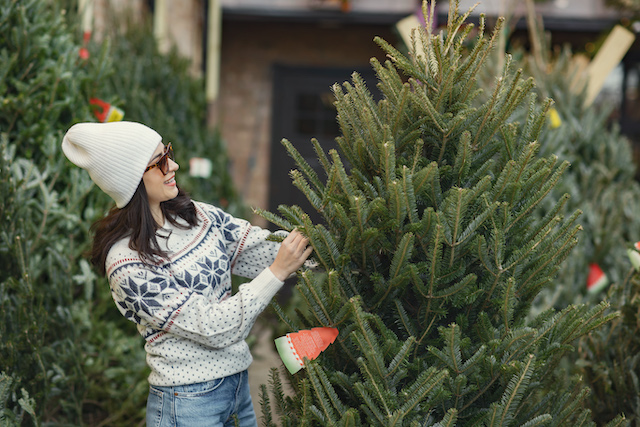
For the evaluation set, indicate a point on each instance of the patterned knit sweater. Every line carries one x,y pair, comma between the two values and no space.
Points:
194,329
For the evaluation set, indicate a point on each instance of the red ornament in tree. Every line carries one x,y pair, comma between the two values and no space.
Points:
597,280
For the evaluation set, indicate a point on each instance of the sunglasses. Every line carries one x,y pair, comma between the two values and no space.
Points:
163,161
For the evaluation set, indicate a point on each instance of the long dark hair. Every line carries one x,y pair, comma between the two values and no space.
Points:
136,222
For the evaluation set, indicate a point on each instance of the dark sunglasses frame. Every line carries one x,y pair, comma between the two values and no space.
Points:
163,162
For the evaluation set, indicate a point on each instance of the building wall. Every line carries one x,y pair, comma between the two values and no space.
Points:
249,50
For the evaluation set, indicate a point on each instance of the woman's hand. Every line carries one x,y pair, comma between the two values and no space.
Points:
293,252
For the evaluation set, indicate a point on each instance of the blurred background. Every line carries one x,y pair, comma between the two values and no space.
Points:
269,65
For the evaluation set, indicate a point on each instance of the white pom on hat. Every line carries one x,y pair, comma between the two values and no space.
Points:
115,154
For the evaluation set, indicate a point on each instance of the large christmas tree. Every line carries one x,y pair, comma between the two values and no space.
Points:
429,254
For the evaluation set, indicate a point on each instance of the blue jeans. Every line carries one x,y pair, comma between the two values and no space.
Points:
214,403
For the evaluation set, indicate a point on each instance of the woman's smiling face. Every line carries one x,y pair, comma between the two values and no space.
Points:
160,187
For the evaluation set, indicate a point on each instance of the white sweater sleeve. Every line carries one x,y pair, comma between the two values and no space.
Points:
153,299
247,246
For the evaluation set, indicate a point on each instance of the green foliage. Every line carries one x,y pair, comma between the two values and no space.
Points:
600,181
431,252
609,358
26,404
45,207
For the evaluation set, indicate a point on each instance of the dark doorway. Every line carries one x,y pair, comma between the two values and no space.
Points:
303,109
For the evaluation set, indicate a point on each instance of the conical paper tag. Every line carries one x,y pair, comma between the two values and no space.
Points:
295,346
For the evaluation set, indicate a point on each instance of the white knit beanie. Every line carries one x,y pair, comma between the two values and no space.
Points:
115,154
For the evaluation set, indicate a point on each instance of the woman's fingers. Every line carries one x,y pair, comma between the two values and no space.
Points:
293,252
297,242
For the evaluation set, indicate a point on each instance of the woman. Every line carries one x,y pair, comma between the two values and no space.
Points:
169,262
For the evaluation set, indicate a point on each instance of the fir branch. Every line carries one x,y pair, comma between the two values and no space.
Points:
515,342
508,303
544,191
324,246
394,54
274,219
292,214
450,355
283,317
303,165
318,372
570,407
445,90
342,174
371,406
482,253
520,254
478,221
388,162
454,24
459,286
402,255
278,392
400,110
401,356
497,28
362,212
365,340
513,393
302,184
416,280
449,419
539,420
425,178
434,60
490,109
404,318
396,204
549,220
422,101
434,261
340,220
367,154
326,400
409,195
366,186
504,180
388,81
321,156
315,298
265,405
569,241
427,384
462,163
580,325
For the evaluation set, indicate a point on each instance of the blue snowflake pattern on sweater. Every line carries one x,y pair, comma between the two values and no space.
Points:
142,295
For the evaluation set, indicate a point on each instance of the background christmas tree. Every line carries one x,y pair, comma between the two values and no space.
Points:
601,182
601,179
431,254
45,203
